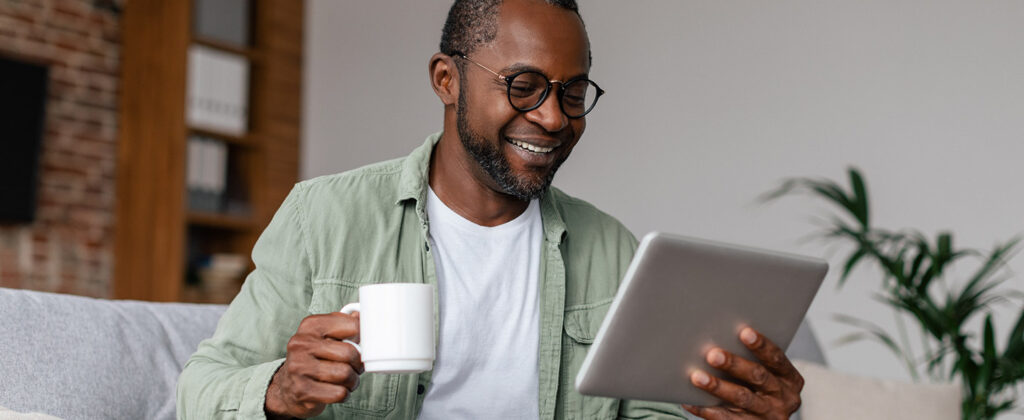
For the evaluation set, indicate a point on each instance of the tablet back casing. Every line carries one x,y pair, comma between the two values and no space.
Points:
680,297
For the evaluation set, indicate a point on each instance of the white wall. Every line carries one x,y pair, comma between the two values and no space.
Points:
712,103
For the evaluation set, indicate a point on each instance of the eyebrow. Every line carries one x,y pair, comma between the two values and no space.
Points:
518,67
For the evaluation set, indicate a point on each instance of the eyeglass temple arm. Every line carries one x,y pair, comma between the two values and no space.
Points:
463,56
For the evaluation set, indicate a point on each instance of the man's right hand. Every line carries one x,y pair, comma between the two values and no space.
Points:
319,368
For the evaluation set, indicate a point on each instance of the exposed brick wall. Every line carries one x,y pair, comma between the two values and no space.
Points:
69,248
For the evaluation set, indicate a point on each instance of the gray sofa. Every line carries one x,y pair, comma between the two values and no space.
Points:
82,358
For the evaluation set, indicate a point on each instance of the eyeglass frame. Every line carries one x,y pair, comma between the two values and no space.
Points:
547,90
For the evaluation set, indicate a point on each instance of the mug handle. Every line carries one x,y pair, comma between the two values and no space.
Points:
347,310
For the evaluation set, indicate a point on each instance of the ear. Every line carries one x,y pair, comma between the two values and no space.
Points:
444,78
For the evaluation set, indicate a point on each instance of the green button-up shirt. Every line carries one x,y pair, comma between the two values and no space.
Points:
336,233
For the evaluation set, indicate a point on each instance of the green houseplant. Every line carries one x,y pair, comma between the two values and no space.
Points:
914,285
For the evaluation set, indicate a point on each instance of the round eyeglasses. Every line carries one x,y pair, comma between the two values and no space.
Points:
528,89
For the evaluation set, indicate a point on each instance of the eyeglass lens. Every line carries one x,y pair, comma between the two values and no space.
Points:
527,90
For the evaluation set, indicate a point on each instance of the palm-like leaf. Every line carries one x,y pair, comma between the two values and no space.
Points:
859,200
852,261
1015,345
988,359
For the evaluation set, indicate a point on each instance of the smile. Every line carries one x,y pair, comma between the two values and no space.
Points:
530,147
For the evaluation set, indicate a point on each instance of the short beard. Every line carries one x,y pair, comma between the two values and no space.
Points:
493,161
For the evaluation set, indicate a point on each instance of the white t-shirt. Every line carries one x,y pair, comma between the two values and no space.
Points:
486,366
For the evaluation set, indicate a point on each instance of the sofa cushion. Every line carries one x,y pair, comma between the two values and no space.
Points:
82,358
838,396
6,414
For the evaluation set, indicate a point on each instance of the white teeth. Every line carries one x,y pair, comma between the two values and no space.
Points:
530,147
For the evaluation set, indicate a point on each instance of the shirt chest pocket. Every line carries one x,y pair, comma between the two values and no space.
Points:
581,325
377,394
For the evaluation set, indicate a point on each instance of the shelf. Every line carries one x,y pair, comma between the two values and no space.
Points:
220,221
249,53
243,141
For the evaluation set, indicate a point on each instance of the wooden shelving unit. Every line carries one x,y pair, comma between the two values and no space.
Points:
155,229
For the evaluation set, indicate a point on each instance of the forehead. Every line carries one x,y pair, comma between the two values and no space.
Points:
548,37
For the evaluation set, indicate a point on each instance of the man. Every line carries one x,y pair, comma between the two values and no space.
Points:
525,273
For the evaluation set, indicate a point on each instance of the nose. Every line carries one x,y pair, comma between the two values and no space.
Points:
549,114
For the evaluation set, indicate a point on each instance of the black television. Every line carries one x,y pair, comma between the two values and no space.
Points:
23,90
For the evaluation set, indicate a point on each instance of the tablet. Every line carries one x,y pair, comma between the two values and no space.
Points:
680,297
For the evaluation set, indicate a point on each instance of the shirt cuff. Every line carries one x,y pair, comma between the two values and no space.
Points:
255,394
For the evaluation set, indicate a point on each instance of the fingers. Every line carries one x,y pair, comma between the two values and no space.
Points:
336,373
319,368
334,325
733,394
311,352
771,356
774,384
310,391
754,374
338,351
294,393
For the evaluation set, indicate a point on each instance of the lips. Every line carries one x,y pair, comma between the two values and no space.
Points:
545,145
529,154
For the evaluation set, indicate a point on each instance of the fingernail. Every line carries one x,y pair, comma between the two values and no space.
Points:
748,336
700,378
716,357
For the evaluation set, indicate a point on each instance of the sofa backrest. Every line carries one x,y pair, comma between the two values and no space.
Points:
805,346
82,358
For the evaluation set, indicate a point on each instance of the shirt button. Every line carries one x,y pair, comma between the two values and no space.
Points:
420,389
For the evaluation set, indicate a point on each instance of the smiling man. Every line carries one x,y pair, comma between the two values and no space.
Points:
524,272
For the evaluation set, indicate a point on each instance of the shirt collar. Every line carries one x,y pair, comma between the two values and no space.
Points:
412,183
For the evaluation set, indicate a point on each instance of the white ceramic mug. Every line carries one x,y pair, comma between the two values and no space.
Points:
396,327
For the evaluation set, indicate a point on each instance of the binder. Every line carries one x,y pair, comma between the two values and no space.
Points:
218,91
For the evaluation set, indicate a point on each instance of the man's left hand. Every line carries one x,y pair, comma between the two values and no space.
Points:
770,389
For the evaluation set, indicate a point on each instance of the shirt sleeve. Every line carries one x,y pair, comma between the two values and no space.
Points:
228,375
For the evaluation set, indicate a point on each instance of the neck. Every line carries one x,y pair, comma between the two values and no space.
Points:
466,188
